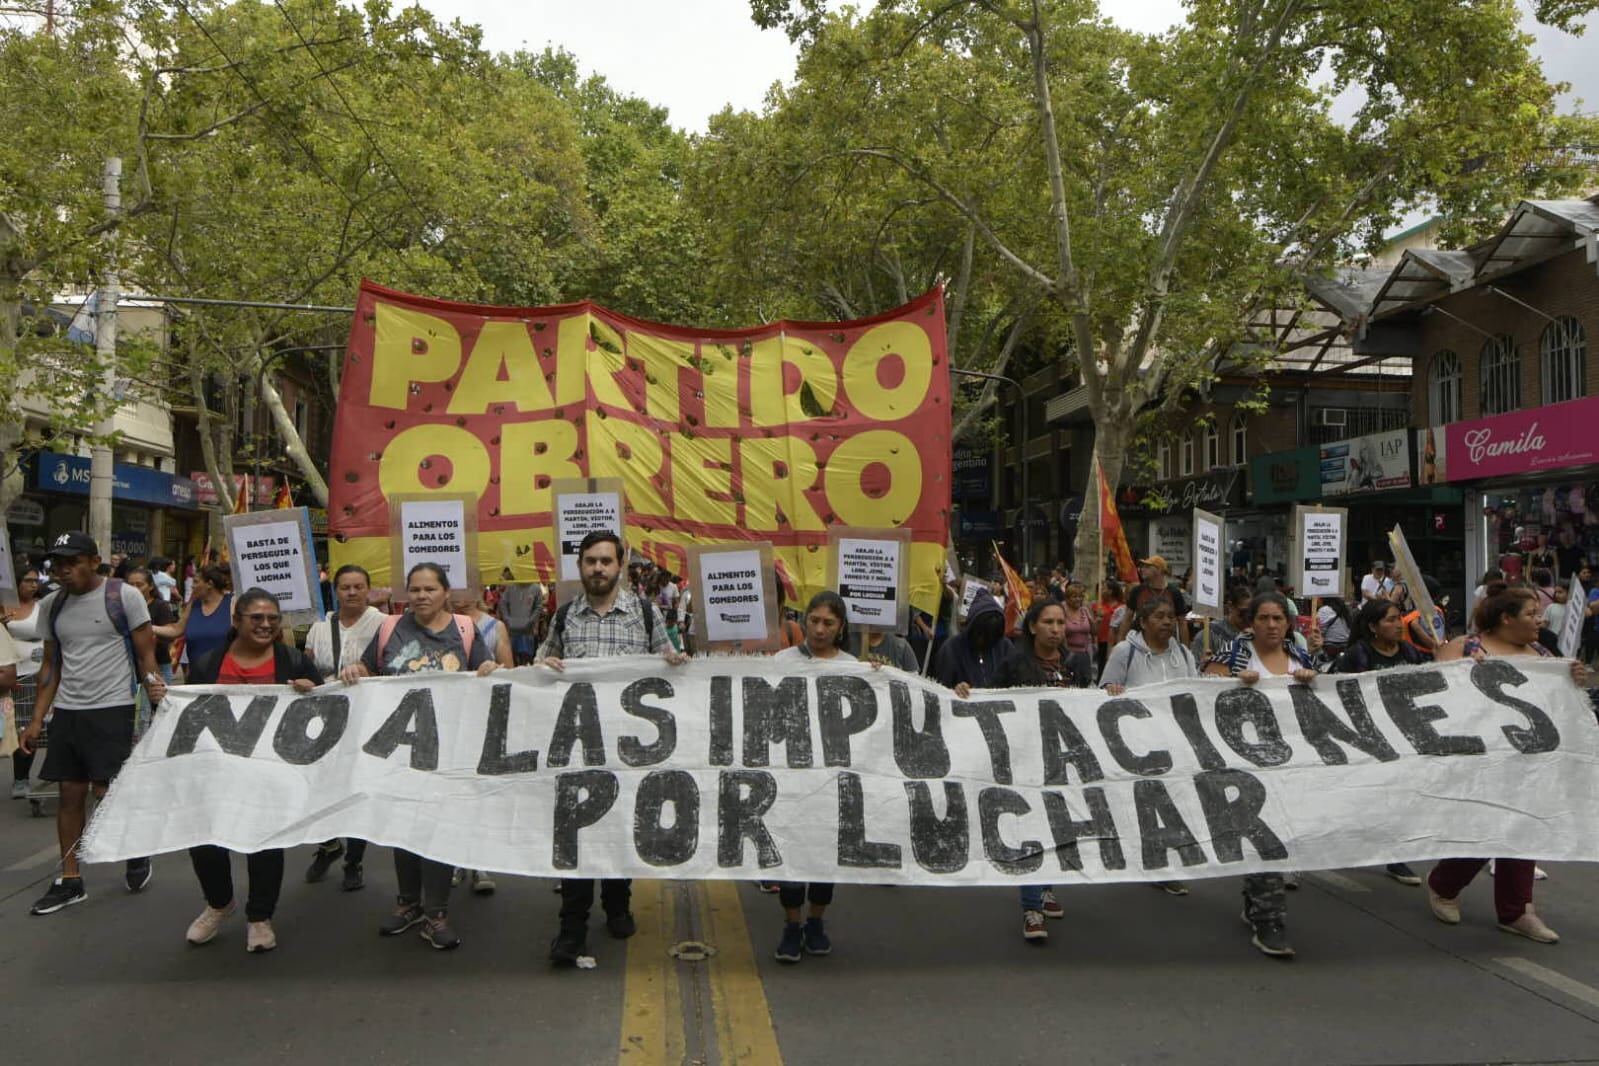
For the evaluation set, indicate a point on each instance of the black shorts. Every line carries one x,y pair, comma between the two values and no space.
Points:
88,744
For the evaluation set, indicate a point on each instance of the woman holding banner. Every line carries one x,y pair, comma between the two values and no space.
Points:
1506,626
1377,643
425,639
1265,649
1041,662
253,653
826,633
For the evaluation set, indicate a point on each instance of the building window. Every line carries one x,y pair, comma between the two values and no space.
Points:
1564,349
1163,460
1501,376
1212,446
1445,388
1240,435
1186,449
302,419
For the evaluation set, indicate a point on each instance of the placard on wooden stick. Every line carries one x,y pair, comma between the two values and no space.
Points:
434,527
870,569
1410,573
1208,595
735,596
8,572
582,505
1319,551
273,550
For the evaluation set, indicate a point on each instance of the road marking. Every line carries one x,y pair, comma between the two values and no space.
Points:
744,1032
1557,981
1338,881
38,858
652,1004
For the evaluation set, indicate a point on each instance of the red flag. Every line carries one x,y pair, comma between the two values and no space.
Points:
241,495
1111,534
283,500
1017,596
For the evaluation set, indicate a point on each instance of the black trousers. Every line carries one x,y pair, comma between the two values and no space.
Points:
214,867
423,881
793,894
354,849
577,898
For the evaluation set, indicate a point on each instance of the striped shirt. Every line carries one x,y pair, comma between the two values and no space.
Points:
588,634
1236,655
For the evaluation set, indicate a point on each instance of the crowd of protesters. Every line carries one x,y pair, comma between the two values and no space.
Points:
92,646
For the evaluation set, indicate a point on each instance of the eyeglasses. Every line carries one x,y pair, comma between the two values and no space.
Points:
262,619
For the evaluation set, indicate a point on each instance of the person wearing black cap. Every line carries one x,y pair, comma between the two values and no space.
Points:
97,644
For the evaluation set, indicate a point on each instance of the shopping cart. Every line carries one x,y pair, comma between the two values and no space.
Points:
40,791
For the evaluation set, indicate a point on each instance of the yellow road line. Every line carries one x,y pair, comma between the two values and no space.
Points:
652,1004
744,1032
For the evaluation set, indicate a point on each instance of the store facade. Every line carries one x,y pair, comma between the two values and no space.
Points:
1159,519
152,512
1531,486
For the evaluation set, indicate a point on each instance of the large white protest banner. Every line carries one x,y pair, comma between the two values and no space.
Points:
746,767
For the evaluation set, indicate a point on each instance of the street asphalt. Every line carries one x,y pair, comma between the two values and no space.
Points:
917,976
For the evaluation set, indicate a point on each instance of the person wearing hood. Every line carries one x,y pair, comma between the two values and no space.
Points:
973,656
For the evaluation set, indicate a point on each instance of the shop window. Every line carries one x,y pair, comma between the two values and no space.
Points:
1186,448
1212,446
1163,460
1444,392
1240,435
1501,375
1564,349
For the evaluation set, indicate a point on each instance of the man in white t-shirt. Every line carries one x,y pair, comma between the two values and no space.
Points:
333,643
1377,583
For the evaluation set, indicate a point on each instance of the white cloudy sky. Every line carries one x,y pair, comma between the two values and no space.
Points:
696,56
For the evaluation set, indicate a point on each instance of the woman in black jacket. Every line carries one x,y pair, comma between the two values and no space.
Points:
253,654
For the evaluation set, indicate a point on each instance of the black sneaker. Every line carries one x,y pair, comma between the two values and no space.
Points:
405,916
64,893
437,931
792,944
1270,937
622,925
1403,874
569,943
138,874
816,941
322,862
353,881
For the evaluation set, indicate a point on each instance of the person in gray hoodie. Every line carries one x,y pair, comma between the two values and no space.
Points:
1150,654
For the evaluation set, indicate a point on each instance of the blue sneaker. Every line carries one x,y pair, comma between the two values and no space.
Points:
788,949
816,942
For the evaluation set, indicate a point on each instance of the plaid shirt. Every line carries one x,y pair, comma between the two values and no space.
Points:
1236,655
619,631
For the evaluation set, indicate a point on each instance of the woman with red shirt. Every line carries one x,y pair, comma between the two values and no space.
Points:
253,654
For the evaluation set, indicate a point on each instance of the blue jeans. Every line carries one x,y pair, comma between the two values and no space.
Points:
1033,897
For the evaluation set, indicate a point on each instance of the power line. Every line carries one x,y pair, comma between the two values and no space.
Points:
394,171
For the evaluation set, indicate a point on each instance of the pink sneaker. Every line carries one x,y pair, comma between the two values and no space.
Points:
204,929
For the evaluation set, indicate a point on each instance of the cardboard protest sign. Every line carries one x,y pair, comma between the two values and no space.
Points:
745,768
1319,553
1571,624
1208,593
1410,574
273,550
8,571
775,433
581,507
735,597
871,571
438,529
971,585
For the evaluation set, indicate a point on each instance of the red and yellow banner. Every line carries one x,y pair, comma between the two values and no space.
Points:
1111,533
772,433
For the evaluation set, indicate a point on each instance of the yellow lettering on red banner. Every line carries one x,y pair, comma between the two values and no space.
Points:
905,341
663,359
702,469
571,360
456,458
619,448
501,348
771,403
776,473
532,455
719,382
408,346
606,359
849,461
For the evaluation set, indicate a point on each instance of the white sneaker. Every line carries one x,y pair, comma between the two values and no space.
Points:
204,929
259,937
19,790
482,883
1531,926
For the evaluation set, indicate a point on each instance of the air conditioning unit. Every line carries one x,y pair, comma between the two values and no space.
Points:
1332,416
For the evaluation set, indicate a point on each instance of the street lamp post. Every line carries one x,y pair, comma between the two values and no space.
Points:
1021,451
